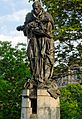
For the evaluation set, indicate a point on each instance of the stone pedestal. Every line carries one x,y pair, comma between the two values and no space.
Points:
38,104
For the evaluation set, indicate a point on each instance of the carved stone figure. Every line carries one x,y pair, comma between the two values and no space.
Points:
38,27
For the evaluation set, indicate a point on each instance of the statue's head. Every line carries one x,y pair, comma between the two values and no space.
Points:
37,7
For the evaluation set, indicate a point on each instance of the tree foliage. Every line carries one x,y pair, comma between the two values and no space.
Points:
71,102
14,68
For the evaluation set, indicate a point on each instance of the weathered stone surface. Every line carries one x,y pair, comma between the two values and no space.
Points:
54,102
33,116
58,113
25,92
45,100
26,102
47,106
44,113
42,92
25,113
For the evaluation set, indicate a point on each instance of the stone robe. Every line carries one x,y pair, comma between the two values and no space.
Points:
40,51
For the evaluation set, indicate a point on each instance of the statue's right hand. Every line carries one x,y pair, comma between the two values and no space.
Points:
18,28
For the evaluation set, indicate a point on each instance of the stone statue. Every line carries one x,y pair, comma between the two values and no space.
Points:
38,28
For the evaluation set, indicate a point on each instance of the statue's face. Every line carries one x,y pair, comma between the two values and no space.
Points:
37,10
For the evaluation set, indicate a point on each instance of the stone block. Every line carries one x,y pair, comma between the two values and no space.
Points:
43,113
25,113
47,106
26,102
54,102
33,116
46,101
26,93
43,101
40,101
42,92
58,113
53,113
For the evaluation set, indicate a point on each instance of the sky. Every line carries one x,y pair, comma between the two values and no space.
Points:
12,14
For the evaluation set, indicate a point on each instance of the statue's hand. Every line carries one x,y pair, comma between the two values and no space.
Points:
20,28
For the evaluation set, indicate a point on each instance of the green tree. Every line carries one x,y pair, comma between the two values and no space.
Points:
71,102
14,67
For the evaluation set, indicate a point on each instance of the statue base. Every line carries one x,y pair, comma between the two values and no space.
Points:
38,104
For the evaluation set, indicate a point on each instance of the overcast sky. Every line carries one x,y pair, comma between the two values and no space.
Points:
12,14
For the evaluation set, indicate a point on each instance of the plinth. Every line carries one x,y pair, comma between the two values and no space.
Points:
38,104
